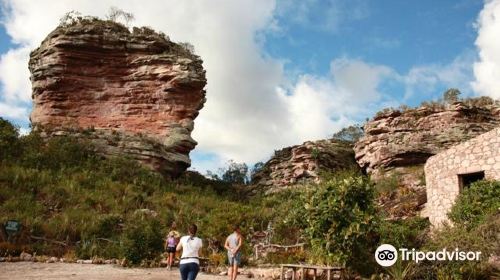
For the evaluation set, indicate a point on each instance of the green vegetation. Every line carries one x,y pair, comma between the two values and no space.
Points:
118,21
476,217
409,233
351,133
339,220
482,238
449,97
233,173
476,203
76,204
63,192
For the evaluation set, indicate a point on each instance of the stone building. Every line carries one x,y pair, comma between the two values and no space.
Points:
449,172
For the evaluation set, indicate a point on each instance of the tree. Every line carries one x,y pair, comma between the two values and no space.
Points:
187,46
235,173
451,95
70,18
212,175
351,133
115,13
9,140
256,168
339,220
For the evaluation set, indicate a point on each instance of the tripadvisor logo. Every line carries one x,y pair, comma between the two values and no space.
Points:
386,255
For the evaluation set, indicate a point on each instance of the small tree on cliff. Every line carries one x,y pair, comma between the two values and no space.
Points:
451,95
351,133
115,14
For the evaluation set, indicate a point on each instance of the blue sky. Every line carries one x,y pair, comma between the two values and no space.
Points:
401,34
280,73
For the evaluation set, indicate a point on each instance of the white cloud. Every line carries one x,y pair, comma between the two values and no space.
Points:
247,115
425,79
319,106
487,69
12,111
252,108
15,75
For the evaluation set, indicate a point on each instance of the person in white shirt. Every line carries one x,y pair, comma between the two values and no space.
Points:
191,249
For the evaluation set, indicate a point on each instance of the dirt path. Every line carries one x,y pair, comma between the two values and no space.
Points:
59,271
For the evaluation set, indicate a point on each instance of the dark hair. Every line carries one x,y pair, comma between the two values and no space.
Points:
192,229
236,227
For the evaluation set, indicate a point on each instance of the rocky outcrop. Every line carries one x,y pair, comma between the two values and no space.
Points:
397,143
132,94
397,139
304,163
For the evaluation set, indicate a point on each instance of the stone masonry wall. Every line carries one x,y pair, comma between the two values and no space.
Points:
442,171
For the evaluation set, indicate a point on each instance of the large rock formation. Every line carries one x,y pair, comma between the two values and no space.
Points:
303,164
395,139
397,143
131,93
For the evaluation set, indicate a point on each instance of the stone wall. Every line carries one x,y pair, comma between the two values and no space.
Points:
443,172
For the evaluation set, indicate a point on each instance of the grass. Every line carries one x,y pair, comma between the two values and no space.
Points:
62,191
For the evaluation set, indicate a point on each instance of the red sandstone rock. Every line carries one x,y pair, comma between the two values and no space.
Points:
396,140
131,93
303,164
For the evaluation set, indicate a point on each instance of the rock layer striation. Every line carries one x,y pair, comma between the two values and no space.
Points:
397,144
132,94
304,163
398,139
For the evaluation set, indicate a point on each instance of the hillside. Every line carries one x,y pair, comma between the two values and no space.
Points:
71,200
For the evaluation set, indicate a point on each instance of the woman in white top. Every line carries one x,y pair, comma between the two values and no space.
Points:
191,249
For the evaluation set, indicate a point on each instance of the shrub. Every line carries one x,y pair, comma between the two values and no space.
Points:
409,233
451,95
351,133
483,238
340,221
285,257
93,248
387,183
476,202
142,239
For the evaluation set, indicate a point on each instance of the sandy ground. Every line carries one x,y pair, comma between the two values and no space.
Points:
45,271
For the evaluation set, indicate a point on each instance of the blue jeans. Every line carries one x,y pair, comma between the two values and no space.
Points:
189,271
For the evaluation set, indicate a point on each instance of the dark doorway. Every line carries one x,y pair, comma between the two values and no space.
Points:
467,179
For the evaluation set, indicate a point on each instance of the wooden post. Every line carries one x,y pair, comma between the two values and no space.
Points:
303,273
314,275
328,271
293,273
282,272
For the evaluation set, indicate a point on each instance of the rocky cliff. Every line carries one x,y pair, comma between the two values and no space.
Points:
303,163
395,139
397,143
132,94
